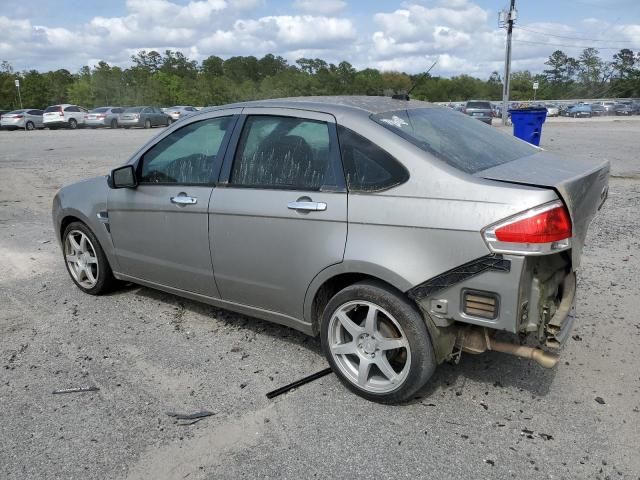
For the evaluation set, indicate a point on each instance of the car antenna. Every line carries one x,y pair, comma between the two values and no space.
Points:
405,96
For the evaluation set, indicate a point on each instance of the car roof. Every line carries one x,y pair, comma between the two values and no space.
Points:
336,105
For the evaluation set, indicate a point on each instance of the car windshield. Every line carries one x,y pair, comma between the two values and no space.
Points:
459,140
133,110
100,110
54,108
484,105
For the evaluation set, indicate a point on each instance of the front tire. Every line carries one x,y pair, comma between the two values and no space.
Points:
73,123
377,342
147,123
30,126
85,260
114,123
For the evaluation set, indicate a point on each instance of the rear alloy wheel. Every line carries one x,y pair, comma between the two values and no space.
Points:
30,126
85,260
73,124
147,123
114,123
377,342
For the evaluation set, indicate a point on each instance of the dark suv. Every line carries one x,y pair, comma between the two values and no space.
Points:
479,109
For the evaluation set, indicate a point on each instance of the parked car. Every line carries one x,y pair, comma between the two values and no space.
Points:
552,110
598,110
624,109
178,112
146,117
64,115
478,109
609,107
103,117
399,232
579,110
28,119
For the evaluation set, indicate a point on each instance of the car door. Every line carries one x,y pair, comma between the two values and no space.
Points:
160,229
279,214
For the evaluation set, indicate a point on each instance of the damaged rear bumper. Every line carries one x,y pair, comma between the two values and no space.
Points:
532,297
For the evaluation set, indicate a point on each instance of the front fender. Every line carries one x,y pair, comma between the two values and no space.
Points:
84,200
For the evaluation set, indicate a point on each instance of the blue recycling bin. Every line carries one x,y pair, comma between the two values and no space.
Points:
527,123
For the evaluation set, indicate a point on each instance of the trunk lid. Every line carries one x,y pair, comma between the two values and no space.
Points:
583,185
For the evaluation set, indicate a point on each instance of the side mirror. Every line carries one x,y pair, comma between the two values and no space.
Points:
123,177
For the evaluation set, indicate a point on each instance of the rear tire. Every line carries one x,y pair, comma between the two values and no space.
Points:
73,123
30,126
377,342
85,260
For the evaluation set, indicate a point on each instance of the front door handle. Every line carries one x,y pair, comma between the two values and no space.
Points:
183,199
307,206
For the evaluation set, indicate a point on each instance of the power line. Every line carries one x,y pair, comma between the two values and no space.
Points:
566,45
573,38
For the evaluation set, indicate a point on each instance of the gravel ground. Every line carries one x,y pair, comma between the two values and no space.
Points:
491,416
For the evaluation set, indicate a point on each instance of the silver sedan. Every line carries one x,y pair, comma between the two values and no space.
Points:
103,117
400,233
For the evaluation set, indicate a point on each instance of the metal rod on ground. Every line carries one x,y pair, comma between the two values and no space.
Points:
507,63
297,383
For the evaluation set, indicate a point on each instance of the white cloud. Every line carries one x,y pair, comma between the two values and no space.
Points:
324,7
460,34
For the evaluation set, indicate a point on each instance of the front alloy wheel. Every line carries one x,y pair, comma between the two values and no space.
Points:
85,260
81,258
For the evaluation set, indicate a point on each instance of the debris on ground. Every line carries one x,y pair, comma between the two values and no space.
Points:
190,418
88,388
600,400
297,383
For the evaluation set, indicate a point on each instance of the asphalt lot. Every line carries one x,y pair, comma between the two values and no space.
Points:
491,416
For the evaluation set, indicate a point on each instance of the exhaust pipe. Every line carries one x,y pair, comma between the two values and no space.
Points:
542,358
476,340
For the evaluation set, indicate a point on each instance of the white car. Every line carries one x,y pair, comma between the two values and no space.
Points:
179,111
552,110
28,119
64,115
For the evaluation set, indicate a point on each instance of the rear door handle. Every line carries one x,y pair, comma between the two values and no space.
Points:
184,199
307,206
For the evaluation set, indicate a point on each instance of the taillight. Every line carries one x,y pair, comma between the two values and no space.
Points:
18,116
540,230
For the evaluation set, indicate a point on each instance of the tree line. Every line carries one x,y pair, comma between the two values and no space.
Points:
171,78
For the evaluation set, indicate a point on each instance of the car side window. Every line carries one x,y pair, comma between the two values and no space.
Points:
368,168
284,153
187,155
72,109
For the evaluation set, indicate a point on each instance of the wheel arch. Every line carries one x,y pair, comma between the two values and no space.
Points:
336,277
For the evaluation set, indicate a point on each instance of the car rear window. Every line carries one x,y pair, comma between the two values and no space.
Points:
15,112
484,105
457,139
54,108
100,110
133,110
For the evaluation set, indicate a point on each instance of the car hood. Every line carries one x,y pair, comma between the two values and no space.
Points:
583,185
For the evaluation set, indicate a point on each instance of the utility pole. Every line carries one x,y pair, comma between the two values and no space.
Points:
509,19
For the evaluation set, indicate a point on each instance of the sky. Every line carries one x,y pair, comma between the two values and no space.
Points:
462,35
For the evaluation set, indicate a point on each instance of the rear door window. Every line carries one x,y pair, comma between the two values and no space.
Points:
284,153
456,139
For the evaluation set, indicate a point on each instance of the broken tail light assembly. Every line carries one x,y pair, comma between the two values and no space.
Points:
537,231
